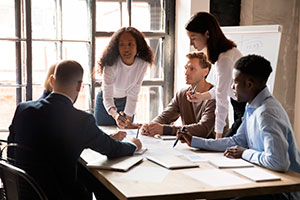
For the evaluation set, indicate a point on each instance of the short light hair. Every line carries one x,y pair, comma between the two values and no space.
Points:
203,61
68,72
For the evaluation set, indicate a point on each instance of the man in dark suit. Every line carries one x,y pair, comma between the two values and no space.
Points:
56,133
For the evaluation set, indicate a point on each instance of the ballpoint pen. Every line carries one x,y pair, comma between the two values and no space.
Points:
137,133
195,89
183,129
122,114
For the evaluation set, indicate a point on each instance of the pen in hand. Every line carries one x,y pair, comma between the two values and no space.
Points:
137,133
183,129
195,89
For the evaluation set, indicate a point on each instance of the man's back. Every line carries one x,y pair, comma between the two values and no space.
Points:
57,133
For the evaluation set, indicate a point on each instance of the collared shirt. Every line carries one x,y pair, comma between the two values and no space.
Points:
266,133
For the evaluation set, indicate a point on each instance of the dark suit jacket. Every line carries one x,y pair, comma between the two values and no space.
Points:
56,132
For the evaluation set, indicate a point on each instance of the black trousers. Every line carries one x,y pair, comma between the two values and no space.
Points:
238,110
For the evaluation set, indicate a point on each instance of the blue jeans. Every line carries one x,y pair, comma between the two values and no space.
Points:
100,113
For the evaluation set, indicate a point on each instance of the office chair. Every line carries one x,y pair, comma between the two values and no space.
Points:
17,182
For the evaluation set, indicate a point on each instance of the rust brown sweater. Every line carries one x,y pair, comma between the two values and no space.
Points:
198,118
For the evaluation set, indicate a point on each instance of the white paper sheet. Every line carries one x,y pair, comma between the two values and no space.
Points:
216,177
146,174
257,174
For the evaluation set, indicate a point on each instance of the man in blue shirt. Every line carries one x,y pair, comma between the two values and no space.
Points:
265,136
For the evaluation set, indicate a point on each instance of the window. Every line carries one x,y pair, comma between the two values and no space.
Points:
36,34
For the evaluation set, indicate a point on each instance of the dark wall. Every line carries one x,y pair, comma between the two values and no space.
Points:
226,11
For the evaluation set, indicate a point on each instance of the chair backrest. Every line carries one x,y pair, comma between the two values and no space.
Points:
18,184
11,175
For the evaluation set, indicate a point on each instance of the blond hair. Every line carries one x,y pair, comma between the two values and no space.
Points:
47,85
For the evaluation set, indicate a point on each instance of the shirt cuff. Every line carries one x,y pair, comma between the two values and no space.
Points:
247,154
197,142
136,149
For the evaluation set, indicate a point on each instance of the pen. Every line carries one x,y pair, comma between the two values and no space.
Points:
194,90
122,114
183,129
137,133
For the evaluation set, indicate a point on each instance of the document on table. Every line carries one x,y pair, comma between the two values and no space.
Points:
167,137
94,159
216,177
172,162
146,174
141,151
257,175
224,162
118,164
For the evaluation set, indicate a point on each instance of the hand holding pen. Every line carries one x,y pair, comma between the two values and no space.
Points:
179,137
195,89
121,119
184,137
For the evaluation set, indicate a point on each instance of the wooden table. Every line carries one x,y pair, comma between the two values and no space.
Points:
177,185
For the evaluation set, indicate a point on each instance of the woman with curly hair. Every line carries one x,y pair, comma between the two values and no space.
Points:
123,66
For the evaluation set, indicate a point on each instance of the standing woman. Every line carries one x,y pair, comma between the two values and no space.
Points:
204,31
123,65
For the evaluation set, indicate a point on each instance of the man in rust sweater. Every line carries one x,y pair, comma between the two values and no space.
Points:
197,118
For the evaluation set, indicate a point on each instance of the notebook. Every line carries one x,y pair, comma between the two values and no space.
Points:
172,162
118,164
224,162
257,175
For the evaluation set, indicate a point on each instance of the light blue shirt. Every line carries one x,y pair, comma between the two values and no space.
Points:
267,134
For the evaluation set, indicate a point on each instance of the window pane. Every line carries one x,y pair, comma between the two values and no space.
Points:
75,20
78,51
156,70
8,62
101,43
7,18
146,111
37,90
152,12
106,13
44,20
83,99
7,106
44,54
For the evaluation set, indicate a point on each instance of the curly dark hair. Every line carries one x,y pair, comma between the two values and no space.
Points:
217,42
111,52
255,66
